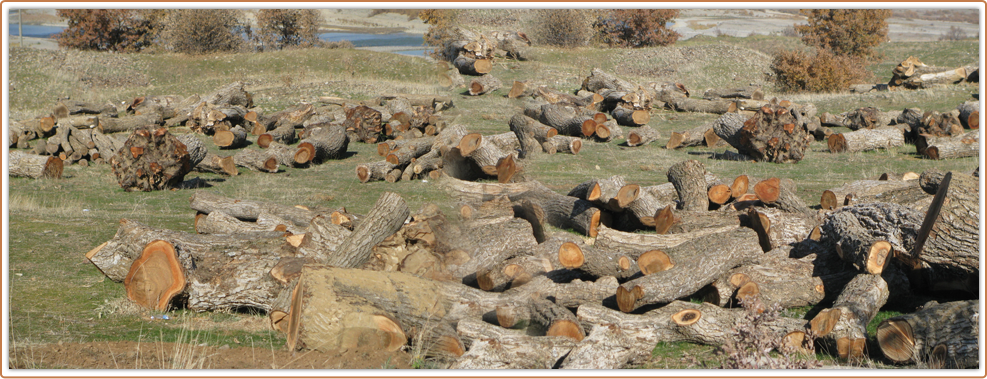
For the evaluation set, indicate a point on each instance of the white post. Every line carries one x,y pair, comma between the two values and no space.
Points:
20,32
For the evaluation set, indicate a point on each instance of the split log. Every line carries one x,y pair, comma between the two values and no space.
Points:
365,122
867,235
689,180
129,123
630,117
957,146
846,322
150,160
562,144
33,166
484,85
866,140
471,66
385,218
642,136
493,347
697,263
257,160
325,141
943,335
249,210
949,257
970,114
217,165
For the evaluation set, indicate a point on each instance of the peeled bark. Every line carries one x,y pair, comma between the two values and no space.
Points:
866,140
151,160
943,335
697,263
33,166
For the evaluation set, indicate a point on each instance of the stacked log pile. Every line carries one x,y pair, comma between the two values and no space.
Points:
913,74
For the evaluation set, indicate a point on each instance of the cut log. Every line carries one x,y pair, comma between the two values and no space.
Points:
567,120
283,133
562,144
698,262
530,134
409,150
150,160
385,218
217,165
642,136
196,150
156,277
728,127
692,137
129,123
701,105
230,139
780,194
689,180
481,151
326,141
599,263
365,122
931,80
749,92
868,234
781,281
846,322
249,210
958,146
484,85
33,166
630,117
944,335
866,140
257,160
970,114
493,347
471,66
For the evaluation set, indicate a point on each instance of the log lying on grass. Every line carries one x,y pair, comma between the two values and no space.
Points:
562,144
472,66
33,166
943,335
257,160
958,146
151,160
325,141
217,165
484,85
642,136
697,263
249,210
846,322
970,114
866,140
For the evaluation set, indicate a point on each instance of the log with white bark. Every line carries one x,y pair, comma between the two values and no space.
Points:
33,166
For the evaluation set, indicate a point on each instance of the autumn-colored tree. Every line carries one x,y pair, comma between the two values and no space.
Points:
824,71
126,30
637,27
200,31
280,28
853,32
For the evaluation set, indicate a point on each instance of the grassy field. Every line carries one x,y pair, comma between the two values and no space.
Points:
56,295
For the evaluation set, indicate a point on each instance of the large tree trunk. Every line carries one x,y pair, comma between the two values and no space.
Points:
151,160
774,135
696,263
942,335
846,322
949,257
33,166
867,235
325,141
567,120
728,128
866,140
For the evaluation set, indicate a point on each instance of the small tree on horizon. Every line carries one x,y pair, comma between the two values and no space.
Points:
637,27
201,31
281,28
853,32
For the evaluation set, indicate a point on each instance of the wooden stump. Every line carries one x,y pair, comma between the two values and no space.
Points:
943,335
33,166
150,160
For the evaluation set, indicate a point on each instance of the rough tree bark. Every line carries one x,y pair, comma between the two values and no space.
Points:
33,166
151,160
943,335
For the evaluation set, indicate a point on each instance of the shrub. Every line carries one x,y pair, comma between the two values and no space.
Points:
636,27
798,71
280,28
201,31
126,30
853,32
954,34
562,27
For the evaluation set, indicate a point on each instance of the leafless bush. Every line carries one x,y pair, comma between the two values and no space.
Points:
790,31
201,31
954,34
562,27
